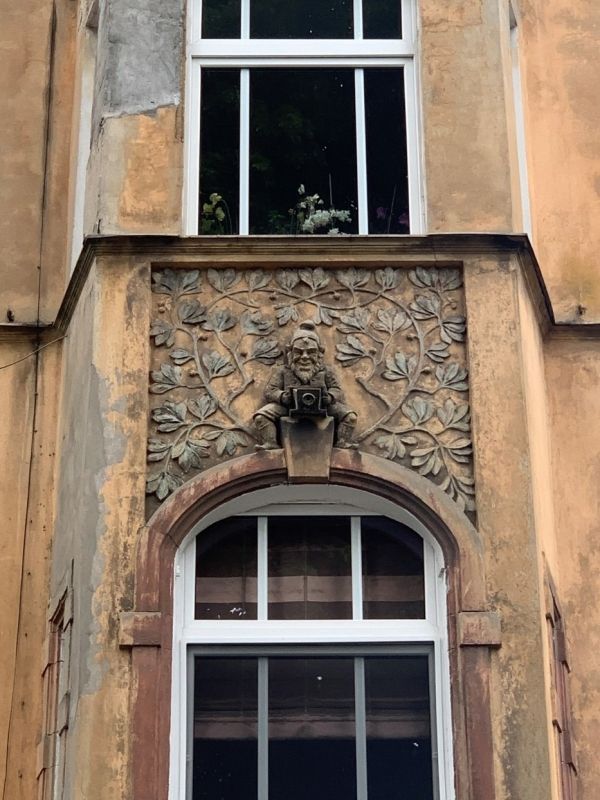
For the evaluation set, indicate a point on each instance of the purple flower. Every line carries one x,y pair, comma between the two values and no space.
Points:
381,212
404,219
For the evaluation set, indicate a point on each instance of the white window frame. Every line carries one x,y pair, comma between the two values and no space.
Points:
427,635
245,53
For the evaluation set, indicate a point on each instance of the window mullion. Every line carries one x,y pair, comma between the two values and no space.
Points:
361,728
361,151
263,729
244,149
262,592
245,19
356,558
358,19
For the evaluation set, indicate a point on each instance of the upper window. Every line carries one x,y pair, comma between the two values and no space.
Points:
310,659
302,118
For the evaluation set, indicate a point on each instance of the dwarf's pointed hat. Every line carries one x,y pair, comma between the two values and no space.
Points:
306,330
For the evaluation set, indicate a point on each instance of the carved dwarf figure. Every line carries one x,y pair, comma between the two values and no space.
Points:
304,368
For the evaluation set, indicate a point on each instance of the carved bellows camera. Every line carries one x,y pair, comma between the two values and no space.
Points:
308,402
304,390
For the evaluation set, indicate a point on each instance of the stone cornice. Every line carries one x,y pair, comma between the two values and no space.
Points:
444,249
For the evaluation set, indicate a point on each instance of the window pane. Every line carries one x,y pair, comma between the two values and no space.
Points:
219,151
392,566
301,19
312,751
302,134
382,19
225,728
310,570
398,725
387,165
226,570
221,19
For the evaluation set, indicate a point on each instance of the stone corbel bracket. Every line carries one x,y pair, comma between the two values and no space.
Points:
479,629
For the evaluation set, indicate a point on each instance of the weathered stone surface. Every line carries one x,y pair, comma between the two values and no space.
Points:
397,336
307,446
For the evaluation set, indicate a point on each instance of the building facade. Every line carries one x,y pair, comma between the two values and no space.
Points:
300,364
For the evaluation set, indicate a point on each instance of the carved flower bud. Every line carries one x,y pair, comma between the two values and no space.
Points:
336,295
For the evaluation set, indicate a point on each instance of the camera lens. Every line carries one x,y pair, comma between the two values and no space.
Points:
309,399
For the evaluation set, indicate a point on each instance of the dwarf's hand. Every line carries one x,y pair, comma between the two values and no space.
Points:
286,398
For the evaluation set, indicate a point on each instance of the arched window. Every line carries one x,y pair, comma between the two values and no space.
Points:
310,653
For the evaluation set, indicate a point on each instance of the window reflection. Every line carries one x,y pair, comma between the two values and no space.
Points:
302,144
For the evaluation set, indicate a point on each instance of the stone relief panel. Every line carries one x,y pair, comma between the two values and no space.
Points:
395,338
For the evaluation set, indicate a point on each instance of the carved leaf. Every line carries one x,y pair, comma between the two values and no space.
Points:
400,367
163,332
227,441
421,277
157,449
453,329
418,410
438,352
356,320
452,376
324,315
448,279
288,279
352,278
315,278
452,415
191,312
162,484
444,280
392,446
426,307
257,279
255,324
202,407
285,314
217,365
222,279
166,378
427,460
392,320
176,282
220,320
351,351
193,451
170,417
387,278
180,356
267,351
459,450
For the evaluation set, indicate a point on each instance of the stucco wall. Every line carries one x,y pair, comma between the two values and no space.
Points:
99,513
573,376
560,45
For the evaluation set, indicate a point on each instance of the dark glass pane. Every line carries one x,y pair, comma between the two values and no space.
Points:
301,19
392,567
398,722
302,134
219,151
382,19
312,752
226,570
310,570
225,728
387,166
221,19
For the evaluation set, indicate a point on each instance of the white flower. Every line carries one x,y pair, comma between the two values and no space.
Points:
333,232
301,189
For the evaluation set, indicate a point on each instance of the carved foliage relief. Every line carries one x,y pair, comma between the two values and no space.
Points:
394,336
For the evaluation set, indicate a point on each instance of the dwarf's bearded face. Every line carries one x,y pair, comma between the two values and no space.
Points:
305,359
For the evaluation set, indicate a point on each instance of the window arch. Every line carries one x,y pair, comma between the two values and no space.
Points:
295,643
